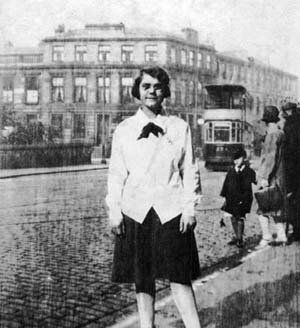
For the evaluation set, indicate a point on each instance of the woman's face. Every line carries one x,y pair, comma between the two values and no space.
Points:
151,93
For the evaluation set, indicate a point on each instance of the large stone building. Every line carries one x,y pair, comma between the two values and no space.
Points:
79,81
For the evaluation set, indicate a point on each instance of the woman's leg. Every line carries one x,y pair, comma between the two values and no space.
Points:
185,301
266,235
240,232
281,234
145,304
234,224
145,296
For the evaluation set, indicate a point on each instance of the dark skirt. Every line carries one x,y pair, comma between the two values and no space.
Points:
151,250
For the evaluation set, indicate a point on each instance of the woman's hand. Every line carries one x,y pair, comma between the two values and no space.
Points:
119,230
187,222
264,183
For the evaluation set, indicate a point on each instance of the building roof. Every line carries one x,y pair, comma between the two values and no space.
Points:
10,50
96,32
242,57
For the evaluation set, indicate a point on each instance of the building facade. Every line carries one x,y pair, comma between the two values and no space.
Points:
79,81
266,85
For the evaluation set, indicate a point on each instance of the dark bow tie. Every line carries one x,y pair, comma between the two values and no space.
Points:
150,128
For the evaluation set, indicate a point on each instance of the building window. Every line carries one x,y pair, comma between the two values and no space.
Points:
173,55
151,53
58,53
80,53
31,118
103,89
127,53
242,73
257,105
183,93
79,126
238,73
80,89
173,91
224,71
208,62
199,60
191,95
57,125
8,90
199,93
104,53
183,57
262,80
32,90
249,77
126,85
191,58
178,94
58,89
191,121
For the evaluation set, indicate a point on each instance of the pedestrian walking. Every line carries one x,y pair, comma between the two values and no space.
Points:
151,196
291,164
271,180
237,190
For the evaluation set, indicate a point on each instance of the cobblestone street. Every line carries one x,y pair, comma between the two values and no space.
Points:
56,250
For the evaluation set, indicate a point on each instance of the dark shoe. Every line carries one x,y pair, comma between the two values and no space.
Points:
276,243
232,242
240,244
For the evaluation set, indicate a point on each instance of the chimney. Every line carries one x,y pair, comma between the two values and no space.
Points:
60,29
190,35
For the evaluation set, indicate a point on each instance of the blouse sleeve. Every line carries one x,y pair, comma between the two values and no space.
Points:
117,175
189,176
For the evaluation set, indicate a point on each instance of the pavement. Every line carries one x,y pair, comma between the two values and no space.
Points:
56,252
95,165
260,291
14,173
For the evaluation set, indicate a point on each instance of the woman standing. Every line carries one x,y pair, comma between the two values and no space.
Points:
270,172
151,197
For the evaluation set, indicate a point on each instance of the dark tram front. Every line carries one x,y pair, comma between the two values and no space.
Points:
225,124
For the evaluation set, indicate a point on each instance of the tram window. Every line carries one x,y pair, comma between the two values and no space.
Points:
239,132
233,132
209,132
222,134
236,132
237,100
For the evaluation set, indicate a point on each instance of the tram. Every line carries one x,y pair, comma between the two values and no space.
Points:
225,124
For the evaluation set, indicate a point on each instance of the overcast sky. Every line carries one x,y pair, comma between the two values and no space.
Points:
268,29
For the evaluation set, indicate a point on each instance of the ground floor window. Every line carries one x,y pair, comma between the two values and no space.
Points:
57,125
31,118
79,126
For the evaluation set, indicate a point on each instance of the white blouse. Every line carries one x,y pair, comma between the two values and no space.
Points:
150,172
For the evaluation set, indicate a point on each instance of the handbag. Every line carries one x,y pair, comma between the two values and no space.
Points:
269,198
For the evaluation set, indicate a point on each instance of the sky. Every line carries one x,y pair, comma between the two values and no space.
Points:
266,29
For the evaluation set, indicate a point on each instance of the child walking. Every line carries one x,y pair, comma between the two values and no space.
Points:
237,190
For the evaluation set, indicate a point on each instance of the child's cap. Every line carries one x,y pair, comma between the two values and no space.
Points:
239,153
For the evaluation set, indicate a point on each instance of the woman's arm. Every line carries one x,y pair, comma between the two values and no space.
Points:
190,184
117,176
268,158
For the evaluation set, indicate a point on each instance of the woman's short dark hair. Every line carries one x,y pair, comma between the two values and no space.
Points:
156,72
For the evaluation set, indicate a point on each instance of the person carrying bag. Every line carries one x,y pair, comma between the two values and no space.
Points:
271,194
